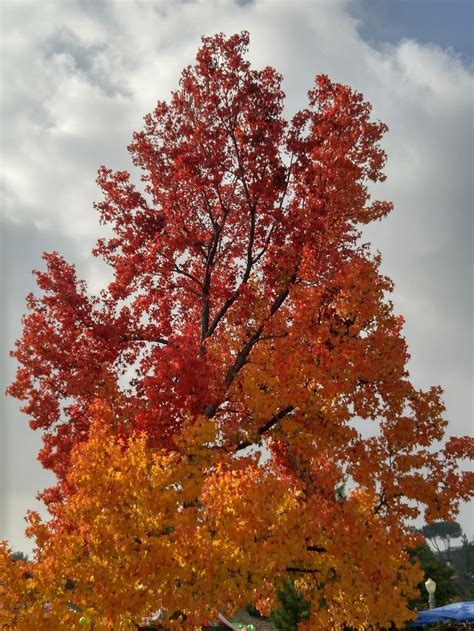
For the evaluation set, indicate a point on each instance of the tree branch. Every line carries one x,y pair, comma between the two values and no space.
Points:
265,428
316,549
222,311
302,570
250,262
140,338
207,280
209,330
280,206
178,270
242,357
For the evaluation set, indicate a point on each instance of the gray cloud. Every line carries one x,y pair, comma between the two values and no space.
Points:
80,76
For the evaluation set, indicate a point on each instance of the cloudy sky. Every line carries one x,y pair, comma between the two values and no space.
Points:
78,76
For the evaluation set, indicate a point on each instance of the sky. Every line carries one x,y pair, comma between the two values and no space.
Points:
77,77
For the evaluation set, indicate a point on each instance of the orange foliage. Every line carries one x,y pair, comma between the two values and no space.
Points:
195,532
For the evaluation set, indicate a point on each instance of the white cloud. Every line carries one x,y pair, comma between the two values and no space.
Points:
80,75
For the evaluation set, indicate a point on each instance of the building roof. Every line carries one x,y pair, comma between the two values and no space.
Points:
260,624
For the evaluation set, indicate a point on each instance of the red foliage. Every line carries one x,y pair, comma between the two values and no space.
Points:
240,291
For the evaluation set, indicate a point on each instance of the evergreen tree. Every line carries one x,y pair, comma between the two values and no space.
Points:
294,608
20,556
436,568
462,560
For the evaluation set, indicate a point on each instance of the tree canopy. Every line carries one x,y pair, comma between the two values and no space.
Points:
245,363
443,530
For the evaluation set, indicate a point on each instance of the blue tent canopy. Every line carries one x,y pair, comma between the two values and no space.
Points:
461,612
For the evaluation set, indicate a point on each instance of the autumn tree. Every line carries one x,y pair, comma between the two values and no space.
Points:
204,411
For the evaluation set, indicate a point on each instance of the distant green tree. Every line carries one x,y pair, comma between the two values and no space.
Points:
20,556
436,568
462,560
294,608
442,531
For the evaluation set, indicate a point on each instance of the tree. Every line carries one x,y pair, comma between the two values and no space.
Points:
462,559
20,556
294,608
443,530
436,568
252,321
